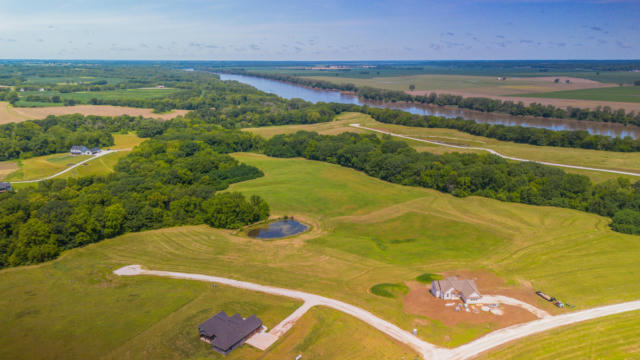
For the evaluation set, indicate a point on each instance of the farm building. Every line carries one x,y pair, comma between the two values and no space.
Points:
83,150
5,186
453,288
226,333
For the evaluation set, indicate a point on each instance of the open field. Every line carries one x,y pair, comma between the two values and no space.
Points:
86,96
590,158
21,114
369,232
618,93
512,89
488,85
612,337
43,166
70,80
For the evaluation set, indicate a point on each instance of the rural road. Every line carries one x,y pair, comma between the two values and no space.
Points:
100,154
495,152
427,350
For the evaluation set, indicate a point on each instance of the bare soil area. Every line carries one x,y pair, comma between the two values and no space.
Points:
7,167
561,103
8,115
420,302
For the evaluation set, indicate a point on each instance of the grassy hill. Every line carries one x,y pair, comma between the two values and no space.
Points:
366,232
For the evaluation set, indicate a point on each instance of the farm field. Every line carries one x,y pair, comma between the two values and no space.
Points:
489,85
84,97
629,162
618,93
612,337
416,231
9,113
43,166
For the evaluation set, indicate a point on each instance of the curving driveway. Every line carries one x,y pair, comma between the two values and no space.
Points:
494,152
427,350
100,154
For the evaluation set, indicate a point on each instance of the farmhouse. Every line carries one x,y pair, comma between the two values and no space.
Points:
5,186
226,333
83,150
452,288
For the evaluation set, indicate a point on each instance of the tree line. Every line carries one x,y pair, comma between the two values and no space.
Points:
467,174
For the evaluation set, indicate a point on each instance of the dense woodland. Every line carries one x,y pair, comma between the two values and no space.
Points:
603,114
161,183
468,174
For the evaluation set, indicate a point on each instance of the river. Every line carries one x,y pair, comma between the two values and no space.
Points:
290,91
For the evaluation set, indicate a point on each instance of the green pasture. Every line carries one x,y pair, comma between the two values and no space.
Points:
616,93
611,337
86,96
366,232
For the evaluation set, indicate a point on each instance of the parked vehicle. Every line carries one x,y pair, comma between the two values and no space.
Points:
545,296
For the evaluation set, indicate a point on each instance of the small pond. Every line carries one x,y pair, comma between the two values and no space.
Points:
278,229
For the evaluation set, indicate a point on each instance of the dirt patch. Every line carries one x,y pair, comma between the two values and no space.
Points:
21,114
561,103
7,167
420,302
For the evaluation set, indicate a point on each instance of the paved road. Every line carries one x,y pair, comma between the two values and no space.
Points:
427,350
495,152
100,154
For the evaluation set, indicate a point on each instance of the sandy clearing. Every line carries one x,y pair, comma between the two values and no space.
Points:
12,114
427,350
7,167
561,103
497,153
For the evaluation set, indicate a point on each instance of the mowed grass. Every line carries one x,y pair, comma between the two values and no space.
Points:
569,254
629,162
611,337
43,166
618,93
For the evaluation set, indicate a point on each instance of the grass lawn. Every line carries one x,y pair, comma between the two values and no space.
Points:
619,93
590,158
43,166
611,337
366,232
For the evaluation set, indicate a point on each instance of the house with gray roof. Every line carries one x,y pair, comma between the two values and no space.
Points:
226,333
453,288
80,150
5,186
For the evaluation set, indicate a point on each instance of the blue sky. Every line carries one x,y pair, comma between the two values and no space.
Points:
320,30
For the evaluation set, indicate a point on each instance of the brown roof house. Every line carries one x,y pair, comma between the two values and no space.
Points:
452,288
226,333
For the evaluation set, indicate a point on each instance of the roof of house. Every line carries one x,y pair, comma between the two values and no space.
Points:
95,149
5,185
78,148
466,287
227,331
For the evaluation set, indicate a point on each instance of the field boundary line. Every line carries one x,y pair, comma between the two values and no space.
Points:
358,126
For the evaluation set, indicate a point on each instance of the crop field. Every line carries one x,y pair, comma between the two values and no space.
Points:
43,166
612,337
369,232
478,84
629,162
618,93
84,97
14,114
70,80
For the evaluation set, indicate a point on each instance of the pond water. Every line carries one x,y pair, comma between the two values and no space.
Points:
278,229
290,91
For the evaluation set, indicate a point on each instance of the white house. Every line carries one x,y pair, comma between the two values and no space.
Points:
80,150
452,288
